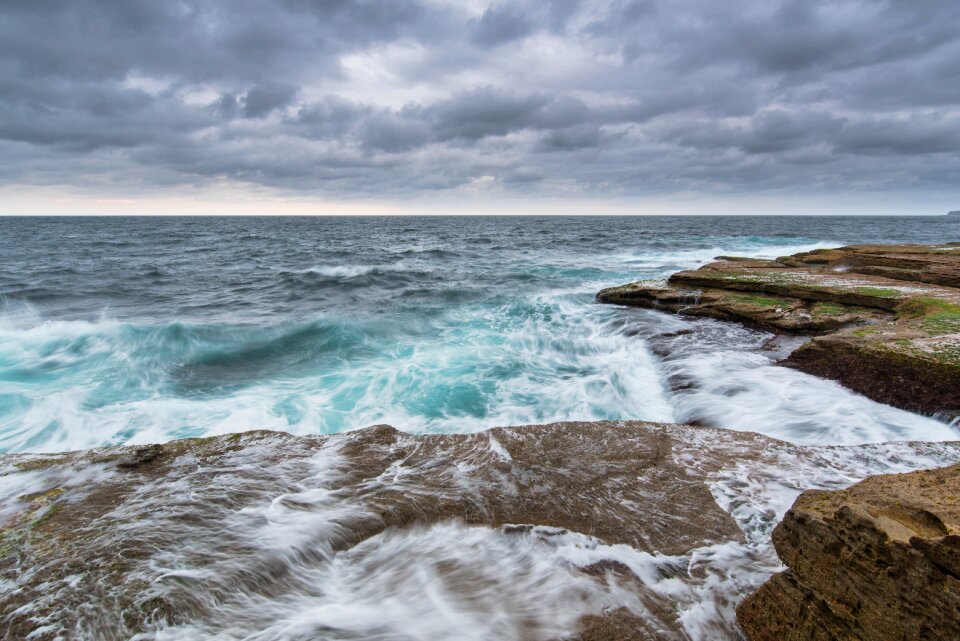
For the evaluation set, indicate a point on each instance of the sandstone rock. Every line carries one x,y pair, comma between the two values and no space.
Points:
913,363
876,562
936,264
82,552
911,371
886,317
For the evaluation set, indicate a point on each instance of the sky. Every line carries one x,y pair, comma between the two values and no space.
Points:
468,106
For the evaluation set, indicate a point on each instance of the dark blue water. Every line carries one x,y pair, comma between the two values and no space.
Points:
146,329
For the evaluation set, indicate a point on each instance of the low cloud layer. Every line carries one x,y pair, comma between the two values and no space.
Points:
389,99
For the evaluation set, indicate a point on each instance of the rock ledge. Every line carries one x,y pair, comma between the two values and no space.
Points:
885,318
877,561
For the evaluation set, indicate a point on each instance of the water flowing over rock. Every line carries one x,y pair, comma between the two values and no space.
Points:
885,318
113,523
603,530
880,560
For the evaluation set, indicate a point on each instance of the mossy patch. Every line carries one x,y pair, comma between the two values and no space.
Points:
760,301
43,497
763,277
918,348
950,354
878,292
942,323
46,516
925,305
863,332
43,463
938,316
11,539
830,309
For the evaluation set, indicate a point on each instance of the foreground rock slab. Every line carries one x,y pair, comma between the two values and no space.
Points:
608,530
117,542
885,318
877,561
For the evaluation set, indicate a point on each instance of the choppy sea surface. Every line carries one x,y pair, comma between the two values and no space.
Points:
133,330
136,330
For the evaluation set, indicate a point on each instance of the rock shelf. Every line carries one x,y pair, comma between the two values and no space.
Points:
885,319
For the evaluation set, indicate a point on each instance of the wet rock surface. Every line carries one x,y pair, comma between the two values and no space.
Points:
77,553
885,319
624,530
877,561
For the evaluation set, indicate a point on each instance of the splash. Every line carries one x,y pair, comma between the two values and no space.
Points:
448,349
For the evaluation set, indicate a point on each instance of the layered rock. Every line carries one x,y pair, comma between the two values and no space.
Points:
875,562
885,318
935,264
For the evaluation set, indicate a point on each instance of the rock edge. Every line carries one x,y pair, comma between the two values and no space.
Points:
875,562
885,319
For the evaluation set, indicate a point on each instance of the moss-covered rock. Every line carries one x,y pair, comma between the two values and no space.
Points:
886,317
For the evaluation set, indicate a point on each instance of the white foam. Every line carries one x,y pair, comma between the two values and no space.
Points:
512,367
551,357
270,549
744,391
447,581
354,270
689,258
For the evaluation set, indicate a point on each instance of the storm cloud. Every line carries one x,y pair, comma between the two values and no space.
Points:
393,98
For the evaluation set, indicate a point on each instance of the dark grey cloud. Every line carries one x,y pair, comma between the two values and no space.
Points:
391,97
912,136
571,138
264,99
500,24
484,112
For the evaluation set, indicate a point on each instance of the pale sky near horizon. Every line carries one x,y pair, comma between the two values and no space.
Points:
470,106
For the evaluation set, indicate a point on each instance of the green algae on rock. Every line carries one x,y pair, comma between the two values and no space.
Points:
885,318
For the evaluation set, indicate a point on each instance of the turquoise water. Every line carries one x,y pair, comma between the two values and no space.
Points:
142,330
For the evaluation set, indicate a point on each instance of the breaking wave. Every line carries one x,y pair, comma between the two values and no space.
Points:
427,343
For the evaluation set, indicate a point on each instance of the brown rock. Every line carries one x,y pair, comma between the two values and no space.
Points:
887,317
908,370
619,625
935,264
84,554
874,562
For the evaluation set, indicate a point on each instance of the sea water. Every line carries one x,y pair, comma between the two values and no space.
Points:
135,330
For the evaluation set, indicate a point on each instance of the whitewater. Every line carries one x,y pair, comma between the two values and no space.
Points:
126,331
134,331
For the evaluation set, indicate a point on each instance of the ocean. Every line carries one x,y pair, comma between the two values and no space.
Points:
142,330
139,330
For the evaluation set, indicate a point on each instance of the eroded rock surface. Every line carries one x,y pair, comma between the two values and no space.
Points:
877,561
624,530
885,318
134,540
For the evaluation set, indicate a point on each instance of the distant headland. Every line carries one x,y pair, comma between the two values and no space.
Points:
955,213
